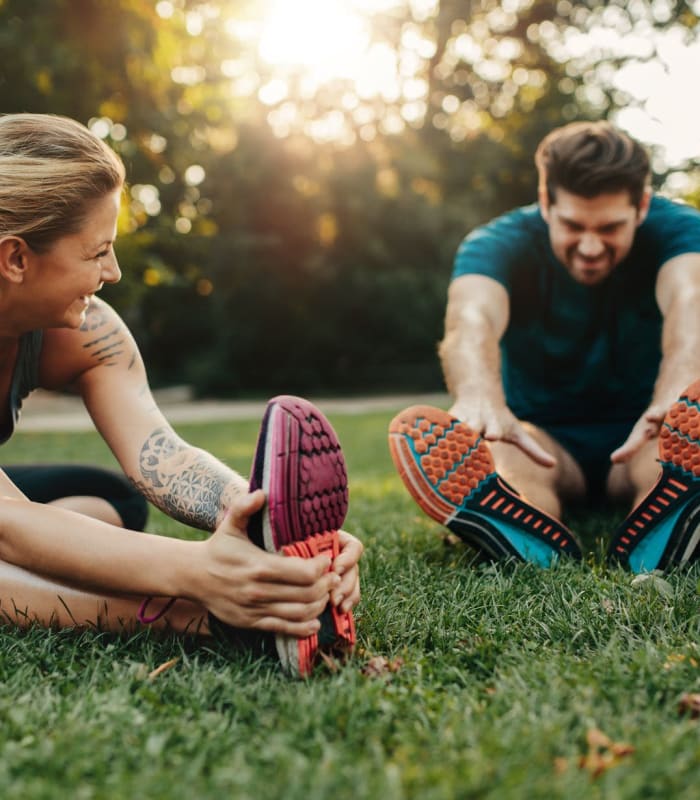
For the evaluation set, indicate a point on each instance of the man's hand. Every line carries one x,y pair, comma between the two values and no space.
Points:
499,424
250,588
647,427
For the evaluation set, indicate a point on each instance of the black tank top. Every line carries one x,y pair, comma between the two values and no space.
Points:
25,378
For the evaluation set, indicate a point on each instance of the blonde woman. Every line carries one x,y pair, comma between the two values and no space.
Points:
60,190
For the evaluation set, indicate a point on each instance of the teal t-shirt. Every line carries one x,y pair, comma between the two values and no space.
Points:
574,353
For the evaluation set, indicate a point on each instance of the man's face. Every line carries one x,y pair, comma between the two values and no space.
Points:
591,235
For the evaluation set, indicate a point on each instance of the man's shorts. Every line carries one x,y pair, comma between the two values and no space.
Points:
591,445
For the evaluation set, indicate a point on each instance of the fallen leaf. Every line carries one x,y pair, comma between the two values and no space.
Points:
379,665
621,749
596,738
162,668
561,765
654,581
690,704
607,605
329,661
603,753
679,658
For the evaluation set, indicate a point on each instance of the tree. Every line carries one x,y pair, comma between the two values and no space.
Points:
287,232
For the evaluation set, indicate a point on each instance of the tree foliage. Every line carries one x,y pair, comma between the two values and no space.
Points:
283,234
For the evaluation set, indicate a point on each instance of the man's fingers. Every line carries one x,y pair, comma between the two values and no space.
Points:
655,414
533,449
536,452
296,612
626,450
647,428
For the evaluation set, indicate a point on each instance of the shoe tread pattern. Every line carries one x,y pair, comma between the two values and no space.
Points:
449,471
678,484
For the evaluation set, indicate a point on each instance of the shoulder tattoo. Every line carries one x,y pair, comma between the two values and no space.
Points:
108,338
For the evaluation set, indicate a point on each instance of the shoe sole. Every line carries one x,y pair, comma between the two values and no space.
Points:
449,471
299,465
664,530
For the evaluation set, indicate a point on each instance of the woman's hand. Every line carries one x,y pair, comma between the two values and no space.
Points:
346,595
247,587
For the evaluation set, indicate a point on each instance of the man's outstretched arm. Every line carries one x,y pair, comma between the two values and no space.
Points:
678,298
477,315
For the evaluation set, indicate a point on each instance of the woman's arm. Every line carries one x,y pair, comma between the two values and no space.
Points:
228,575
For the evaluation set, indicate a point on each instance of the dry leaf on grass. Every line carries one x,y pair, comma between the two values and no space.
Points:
608,606
329,661
689,704
603,753
679,658
162,668
379,665
561,764
654,580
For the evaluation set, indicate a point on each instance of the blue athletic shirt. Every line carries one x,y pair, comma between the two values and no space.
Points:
575,353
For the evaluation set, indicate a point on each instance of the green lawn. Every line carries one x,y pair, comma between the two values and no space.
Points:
493,680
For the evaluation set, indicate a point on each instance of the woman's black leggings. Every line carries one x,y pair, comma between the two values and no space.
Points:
43,483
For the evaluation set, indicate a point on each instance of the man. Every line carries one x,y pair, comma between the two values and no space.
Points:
571,329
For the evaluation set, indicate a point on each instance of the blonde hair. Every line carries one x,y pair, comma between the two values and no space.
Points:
51,171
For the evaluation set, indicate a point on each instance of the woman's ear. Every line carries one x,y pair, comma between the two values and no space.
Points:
14,254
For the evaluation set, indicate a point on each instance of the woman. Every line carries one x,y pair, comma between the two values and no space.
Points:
60,190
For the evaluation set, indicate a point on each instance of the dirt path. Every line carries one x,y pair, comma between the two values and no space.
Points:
45,411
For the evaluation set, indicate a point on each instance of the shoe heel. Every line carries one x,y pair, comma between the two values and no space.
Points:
337,635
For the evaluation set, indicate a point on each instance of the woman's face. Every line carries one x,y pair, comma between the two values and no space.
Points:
66,276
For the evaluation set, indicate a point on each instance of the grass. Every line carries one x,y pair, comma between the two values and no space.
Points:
492,679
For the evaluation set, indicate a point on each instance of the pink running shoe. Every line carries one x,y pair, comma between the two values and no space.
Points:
299,465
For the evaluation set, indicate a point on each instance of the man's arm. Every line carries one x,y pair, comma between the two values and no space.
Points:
478,310
678,298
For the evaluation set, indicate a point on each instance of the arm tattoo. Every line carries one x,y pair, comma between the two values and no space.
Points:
183,481
106,345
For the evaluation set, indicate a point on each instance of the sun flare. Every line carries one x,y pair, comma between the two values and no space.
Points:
327,37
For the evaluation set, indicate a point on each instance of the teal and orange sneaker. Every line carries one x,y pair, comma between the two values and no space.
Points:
664,530
450,473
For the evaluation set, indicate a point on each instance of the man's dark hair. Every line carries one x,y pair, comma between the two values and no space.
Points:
592,158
